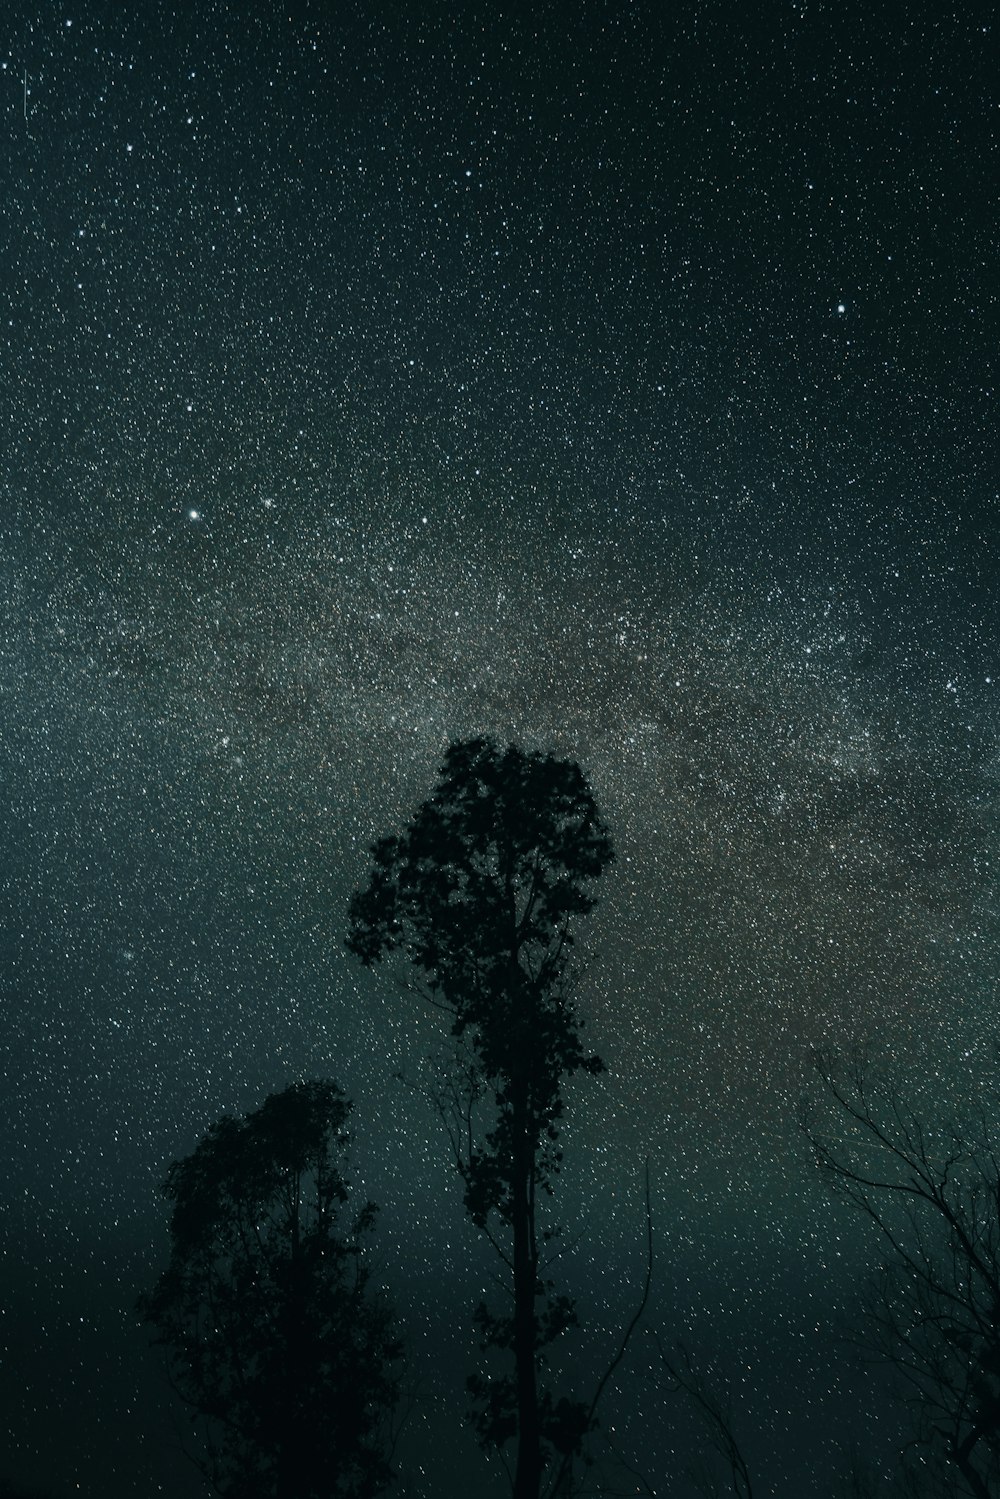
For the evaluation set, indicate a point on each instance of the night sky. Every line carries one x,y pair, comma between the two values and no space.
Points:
615,379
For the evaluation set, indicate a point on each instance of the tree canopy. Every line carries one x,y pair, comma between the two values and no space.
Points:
275,1337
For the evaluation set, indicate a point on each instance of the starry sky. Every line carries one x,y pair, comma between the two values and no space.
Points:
615,379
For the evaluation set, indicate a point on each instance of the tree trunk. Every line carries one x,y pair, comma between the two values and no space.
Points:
961,1456
289,1466
528,1474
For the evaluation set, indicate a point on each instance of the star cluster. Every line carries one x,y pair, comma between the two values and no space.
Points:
617,380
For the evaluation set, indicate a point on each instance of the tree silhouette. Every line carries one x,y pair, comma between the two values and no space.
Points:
933,1311
480,895
275,1338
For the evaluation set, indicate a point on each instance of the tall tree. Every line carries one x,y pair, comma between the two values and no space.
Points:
932,1191
481,895
276,1340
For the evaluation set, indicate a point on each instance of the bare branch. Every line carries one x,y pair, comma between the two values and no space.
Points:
626,1337
933,1310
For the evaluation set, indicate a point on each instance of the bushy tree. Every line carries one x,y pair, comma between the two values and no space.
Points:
481,896
275,1337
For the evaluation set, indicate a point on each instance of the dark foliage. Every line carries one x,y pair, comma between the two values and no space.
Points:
480,895
274,1336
